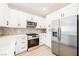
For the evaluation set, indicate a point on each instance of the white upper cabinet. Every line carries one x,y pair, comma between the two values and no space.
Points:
13,19
38,23
3,14
55,15
21,19
30,17
41,23
78,8
69,10
17,19
63,12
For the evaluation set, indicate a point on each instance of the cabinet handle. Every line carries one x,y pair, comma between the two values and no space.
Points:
4,54
23,38
23,42
19,24
22,47
40,26
7,23
62,15
15,43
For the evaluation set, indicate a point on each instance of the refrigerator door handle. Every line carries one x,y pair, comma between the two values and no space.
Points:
59,34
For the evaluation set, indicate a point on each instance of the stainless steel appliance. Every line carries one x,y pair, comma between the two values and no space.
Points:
31,24
65,36
33,40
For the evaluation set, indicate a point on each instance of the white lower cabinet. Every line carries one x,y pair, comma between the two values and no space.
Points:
21,44
7,45
45,38
20,48
48,40
42,38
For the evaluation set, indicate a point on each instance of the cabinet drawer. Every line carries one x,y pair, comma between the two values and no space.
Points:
21,49
21,42
4,54
22,39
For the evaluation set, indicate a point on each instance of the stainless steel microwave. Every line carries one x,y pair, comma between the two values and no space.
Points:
31,24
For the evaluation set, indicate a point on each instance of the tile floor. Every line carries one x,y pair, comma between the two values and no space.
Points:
42,50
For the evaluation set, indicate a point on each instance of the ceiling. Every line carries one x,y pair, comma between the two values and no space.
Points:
39,9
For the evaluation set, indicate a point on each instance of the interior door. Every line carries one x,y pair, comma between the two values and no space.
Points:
55,37
68,36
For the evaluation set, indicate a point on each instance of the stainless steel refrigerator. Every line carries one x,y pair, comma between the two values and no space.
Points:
65,36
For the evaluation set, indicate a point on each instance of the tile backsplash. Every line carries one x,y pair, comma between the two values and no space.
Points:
1,31
15,31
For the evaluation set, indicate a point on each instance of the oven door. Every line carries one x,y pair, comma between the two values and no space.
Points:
33,42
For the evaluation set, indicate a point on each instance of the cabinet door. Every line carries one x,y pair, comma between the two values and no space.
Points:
3,14
41,24
42,38
22,20
20,48
21,44
78,8
55,15
45,39
69,10
48,39
6,14
23,23
13,18
38,24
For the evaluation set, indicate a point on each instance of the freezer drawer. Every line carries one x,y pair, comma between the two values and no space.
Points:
55,48
68,50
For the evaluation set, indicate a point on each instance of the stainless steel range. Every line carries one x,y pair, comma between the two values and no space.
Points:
33,40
